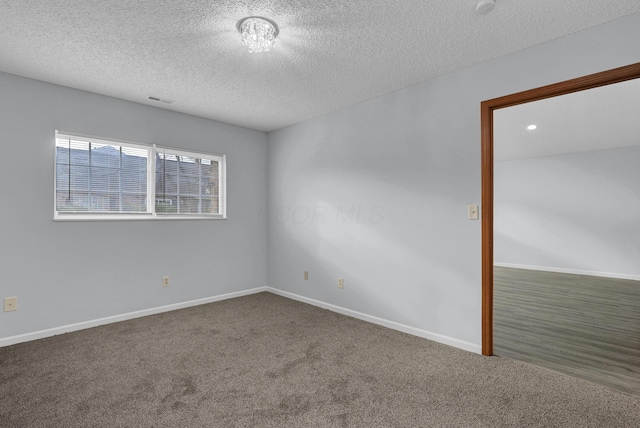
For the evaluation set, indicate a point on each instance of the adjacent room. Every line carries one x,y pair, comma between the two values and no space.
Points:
270,213
566,206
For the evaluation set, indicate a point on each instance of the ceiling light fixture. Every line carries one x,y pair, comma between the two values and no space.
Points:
258,33
531,127
485,6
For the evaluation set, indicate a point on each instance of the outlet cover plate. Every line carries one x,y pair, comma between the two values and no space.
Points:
10,304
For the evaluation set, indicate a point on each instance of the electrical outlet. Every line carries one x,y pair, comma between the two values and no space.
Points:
340,282
306,275
165,281
10,304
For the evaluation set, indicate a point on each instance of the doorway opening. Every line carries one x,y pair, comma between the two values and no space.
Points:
487,126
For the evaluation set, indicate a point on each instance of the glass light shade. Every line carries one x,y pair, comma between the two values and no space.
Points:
258,34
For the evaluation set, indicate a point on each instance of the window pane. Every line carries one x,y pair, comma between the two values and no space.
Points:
62,153
215,205
134,152
208,188
191,180
209,205
74,201
105,180
79,152
169,184
62,177
188,165
101,177
134,181
102,202
169,164
189,205
167,205
105,155
66,202
134,202
209,168
79,177
189,185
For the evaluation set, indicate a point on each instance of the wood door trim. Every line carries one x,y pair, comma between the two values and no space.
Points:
615,75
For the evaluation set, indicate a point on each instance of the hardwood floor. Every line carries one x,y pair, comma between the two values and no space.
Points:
584,326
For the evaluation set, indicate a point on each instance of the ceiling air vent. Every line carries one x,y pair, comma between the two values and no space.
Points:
160,100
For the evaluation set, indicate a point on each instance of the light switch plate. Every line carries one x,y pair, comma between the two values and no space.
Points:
473,211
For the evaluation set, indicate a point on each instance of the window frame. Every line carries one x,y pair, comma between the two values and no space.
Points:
151,214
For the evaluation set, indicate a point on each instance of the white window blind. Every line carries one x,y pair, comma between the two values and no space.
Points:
186,183
100,179
97,176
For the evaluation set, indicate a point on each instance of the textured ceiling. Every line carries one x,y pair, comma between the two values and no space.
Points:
329,54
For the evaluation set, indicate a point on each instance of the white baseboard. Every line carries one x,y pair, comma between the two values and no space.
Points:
11,340
471,347
467,346
571,271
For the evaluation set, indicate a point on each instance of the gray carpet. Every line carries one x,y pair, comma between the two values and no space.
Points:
266,361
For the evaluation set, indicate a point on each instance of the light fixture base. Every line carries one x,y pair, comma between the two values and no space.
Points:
485,6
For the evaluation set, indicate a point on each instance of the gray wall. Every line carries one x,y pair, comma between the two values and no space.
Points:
375,193
408,163
71,272
578,211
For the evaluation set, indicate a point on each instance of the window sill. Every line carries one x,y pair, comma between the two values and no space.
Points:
136,217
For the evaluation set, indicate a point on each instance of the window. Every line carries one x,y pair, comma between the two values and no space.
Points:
101,179
186,184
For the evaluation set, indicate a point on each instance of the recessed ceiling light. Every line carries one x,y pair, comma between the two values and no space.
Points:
531,127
